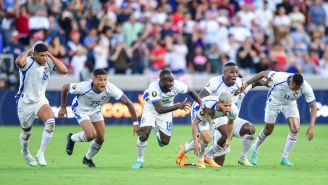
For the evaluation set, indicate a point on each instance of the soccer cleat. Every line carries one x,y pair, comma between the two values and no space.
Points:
254,157
211,162
40,158
244,162
181,157
70,144
285,162
137,165
88,162
200,164
29,158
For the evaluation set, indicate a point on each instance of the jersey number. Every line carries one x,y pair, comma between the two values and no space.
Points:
169,126
95,103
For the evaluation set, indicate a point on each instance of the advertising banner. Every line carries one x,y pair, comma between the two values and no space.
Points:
118,114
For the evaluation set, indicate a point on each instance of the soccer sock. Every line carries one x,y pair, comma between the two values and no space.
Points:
79,137
24,139
214,149
93,149
259,141
46,137
247,143
189,146
203,147
290,141
141,146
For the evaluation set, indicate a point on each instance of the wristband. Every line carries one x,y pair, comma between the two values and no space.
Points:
201,105
135,123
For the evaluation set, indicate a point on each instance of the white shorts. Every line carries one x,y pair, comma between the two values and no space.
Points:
237,124
161,121
81,116
202,125
272,111
27,112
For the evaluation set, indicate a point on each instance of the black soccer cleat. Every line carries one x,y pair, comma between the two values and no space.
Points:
70,144
88,162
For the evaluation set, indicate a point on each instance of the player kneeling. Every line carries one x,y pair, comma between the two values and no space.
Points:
201,123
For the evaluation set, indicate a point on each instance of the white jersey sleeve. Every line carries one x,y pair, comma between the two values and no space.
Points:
80,88
114,91
52,66
29,62
180,87
209,102
153,93
308,92
212,85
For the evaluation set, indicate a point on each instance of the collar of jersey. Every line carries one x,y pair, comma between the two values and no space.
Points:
227,84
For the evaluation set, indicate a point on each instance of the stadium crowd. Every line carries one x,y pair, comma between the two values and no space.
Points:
187,36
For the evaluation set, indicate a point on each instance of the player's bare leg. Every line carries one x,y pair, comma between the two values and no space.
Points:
246,132
96,143
218,145
46,115
268,129
294,125
141,146
24,139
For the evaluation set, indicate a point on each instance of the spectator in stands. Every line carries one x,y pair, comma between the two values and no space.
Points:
317,18
281,24
157,56
246,56
139,55
121,58
297,18
199,62
323,66
78,60
100,52
57,49
131,29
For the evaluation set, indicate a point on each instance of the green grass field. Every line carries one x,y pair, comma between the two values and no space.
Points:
119,153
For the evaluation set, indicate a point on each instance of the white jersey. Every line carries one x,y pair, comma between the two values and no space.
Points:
239,98
211,102
216,86
280,92
33,80
154,93
88,101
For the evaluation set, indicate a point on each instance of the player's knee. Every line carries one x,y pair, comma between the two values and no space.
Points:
294,130
91,136
250,129
165,141
143,137
49,125
100,139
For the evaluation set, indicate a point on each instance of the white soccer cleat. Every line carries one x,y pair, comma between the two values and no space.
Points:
29,158
40,157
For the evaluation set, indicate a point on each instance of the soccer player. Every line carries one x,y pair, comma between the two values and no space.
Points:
86,106
242,129
35,66
222,106
228,82
286,89
158,110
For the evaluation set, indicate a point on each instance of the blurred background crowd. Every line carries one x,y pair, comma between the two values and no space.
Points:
187,36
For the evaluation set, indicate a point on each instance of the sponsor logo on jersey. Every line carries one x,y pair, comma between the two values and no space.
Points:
154,93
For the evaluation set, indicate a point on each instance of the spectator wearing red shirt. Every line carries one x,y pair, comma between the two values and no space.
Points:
157,56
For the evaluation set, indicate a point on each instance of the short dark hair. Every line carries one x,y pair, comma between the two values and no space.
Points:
230,64
164,72
40,47
99,72
298,79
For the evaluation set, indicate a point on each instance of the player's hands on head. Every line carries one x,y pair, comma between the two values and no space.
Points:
310,133
62,112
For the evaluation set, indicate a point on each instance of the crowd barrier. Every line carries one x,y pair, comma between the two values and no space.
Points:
117,114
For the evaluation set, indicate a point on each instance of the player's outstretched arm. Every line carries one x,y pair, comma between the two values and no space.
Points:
313,115
63,111
21,59
60,67
203,93
194,95
126,101
256,78
161,109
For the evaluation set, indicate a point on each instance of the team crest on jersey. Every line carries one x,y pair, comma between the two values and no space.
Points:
104,97
154,93
208,84
202,113
74,87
